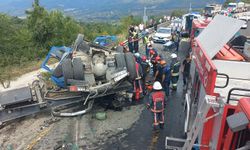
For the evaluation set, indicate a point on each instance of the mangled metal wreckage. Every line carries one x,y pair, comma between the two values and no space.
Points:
85,72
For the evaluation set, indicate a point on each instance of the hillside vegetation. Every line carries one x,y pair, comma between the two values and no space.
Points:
25,42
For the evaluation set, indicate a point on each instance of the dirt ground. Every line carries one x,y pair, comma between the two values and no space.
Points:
85,132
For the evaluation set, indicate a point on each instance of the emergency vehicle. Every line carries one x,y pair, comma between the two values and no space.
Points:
217,100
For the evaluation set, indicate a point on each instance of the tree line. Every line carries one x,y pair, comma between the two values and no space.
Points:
26,40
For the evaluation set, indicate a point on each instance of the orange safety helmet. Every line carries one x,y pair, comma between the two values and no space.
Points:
144,58
163,62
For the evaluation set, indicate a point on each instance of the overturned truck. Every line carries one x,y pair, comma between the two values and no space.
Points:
85,72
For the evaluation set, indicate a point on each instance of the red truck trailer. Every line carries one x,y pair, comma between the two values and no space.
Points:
217,99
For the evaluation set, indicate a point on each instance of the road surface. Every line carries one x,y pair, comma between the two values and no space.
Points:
141,135
246,32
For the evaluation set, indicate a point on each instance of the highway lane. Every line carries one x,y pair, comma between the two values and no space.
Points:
246,32
141,135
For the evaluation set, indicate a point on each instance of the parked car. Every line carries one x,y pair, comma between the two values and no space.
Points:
244,26
105,40
162,35
245,19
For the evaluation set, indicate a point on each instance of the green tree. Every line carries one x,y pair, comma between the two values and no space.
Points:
228,1
178,13
51,28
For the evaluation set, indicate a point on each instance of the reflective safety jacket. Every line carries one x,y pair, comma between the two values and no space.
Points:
146,39
139,71
157,101
175,68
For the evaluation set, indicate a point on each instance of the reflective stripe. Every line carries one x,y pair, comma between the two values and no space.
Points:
176,64
146,39
155,120
174,85
157,111
175,74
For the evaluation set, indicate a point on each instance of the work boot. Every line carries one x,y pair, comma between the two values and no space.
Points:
161,125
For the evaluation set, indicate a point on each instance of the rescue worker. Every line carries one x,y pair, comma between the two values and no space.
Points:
145,69
175,68
146,39
177,42
137,58
159,71
166,77
155,62
150,48
186,69
137,82
130,38
136,40
156,104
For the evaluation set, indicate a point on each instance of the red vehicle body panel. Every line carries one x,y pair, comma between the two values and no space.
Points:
228,53
207,73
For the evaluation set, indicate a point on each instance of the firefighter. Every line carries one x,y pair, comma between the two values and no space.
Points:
138,57
130,38
186,69
150,51
155,62
136,39
177,42
156,104
145,69
159,71
146,37
175,67
166,77
137,82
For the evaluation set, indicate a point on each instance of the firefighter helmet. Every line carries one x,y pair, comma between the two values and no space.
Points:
152,52
157,58
137,55
173,55
157,85
144,58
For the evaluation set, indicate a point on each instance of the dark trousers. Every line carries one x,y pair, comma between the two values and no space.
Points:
136,46
130,47
158,118
166,87
177,46
174,80
185,77
147,51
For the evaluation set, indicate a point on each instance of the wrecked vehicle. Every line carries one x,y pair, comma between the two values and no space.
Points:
84,72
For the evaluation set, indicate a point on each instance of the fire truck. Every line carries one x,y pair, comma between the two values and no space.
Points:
217,100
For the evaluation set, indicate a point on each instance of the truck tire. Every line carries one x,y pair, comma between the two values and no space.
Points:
83,46
130,63
119,49
57,72
67,70
78,69
120,61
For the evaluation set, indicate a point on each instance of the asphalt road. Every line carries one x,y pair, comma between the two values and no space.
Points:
142,135
246,32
